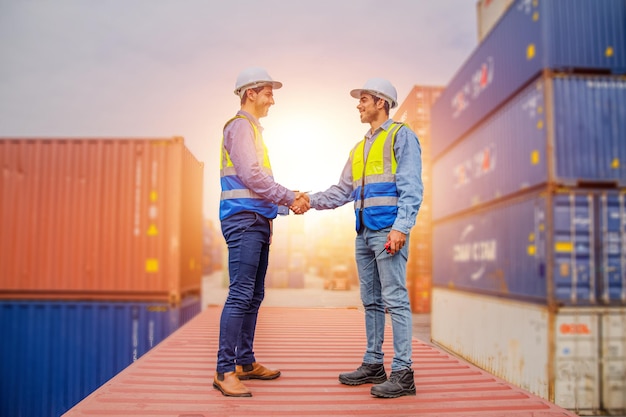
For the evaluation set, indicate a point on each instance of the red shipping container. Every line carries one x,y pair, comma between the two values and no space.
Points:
100,219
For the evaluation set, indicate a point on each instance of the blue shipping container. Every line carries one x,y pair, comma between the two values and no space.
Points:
567,247
612,218
566,35
562,129
54,354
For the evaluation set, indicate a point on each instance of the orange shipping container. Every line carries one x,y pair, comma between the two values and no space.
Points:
415,112
100,219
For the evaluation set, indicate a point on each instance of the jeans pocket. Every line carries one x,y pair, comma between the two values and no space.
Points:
237,224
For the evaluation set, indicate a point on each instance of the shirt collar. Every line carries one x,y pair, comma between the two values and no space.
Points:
251,118
385,126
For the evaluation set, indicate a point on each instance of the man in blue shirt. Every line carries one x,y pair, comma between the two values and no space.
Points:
249,201
383,178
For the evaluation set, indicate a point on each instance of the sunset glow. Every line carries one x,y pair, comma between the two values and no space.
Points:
309,145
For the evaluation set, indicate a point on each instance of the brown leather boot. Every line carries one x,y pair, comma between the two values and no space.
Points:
256,371
230,385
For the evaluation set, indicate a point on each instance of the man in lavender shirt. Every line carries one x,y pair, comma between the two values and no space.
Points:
249,201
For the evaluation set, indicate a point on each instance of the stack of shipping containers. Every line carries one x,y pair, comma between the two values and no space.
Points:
529,204
100,260
415,112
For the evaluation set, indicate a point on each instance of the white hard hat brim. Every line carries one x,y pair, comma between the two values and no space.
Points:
274,84
357,94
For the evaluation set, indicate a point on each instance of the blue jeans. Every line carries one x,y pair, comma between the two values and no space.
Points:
383,287
247,235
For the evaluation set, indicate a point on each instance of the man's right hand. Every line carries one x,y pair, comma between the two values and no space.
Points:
301,204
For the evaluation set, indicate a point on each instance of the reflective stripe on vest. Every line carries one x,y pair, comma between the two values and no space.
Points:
239,193
374,181
235,197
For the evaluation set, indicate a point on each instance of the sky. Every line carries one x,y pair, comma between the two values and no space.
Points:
163,68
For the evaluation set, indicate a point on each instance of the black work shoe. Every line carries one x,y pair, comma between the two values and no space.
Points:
400,383
368,372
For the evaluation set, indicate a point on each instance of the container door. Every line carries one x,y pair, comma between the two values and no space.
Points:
612,258
574,271
614,361
576,368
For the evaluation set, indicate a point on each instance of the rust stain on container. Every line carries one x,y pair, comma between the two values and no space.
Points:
311,347
110,219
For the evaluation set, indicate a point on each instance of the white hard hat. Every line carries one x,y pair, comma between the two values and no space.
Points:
253,77
378,87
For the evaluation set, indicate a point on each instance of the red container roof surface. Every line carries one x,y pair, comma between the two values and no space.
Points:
310,347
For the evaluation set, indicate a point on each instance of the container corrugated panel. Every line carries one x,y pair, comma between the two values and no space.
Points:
310,347
570,35
189,187
55,353
613,353
589,122
572,356
109,219
415,111
612,260
544,247
562,129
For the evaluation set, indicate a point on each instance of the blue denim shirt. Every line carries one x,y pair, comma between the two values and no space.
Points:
408,180
239,142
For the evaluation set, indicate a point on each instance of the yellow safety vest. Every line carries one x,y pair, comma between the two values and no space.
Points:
374,181
235,196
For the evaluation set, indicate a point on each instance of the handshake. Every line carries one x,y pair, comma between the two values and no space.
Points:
301,204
